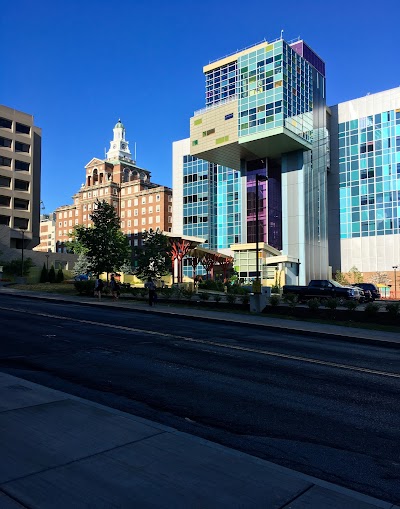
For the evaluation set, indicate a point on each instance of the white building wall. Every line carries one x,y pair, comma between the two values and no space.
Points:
379,253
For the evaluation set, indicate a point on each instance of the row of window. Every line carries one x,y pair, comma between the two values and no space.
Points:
19,222
19,204
5,123
18,146
18,165
144,211
19,185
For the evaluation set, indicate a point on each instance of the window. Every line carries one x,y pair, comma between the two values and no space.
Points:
135,212
129,203
143,221
150,210
143,211
229,116
5,142
21,185
169,208
122,224
122,204
150,199
135,222
5,123
169,219
157,219
21,204
5,161
129,213
135,202
207,133
157,197
150,220
21,165
158,208
20,222
22,147
5,181
129,223
22,128
5,201
123,213
143,200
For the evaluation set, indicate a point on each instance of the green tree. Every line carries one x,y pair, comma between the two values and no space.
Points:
356,275
105,246
153,259
52,275
43,275
81,265
60,276
14,267
341,278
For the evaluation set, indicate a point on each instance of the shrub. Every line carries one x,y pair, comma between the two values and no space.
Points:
167,293
314,304
217,298
351,305
59,276
245,299
187,293
274,300
84,287
204,296
52,275
136,292
291,300
332,303
371,309
231,298
208,284
13,267
393,309
43,275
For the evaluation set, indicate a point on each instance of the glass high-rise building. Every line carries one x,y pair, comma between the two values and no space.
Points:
264,114
364,183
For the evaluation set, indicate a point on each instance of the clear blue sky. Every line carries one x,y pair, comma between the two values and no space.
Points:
79,66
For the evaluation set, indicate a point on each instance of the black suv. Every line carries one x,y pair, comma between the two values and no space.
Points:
375,294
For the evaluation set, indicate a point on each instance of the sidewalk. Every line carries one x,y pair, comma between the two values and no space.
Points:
60,451
263,322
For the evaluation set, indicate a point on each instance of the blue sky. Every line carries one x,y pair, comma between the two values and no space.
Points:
79,66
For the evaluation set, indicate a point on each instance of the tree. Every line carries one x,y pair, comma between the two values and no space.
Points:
52,275
153,259
356,275
104,245
43,275
60,276
341,278
81,265
380,278
14,267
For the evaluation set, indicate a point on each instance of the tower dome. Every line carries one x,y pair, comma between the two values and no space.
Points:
119,125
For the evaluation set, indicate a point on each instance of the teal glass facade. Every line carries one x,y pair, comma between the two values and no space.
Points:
369,175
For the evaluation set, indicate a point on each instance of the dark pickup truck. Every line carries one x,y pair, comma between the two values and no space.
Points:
323,289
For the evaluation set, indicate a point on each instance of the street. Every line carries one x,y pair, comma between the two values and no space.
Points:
322,407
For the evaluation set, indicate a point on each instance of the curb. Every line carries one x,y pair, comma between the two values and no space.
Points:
258,326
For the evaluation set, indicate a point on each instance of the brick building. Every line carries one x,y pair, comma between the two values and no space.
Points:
140,203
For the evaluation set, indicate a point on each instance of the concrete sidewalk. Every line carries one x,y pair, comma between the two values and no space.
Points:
60,451
260,321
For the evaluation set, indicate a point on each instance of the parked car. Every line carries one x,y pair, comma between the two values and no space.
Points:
375,293
323,289
365,295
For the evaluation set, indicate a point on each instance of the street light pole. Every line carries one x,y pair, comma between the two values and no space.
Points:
259,178
22,253
395,267
47,262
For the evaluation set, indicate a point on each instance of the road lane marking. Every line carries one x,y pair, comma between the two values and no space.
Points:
267,353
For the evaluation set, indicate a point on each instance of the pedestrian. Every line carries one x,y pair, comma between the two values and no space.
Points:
152,291
98,287
114,288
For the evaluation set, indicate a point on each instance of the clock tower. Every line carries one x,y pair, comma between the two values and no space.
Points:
119,147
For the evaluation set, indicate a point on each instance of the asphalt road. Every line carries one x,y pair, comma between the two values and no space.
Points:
322,407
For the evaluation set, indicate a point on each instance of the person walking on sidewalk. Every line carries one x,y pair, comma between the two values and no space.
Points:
98,287
150,285
114,288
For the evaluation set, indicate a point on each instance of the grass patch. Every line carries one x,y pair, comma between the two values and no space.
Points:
60,288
